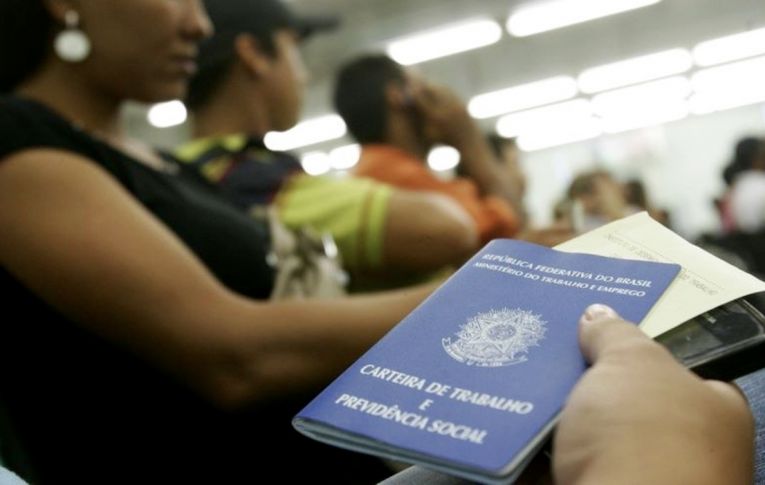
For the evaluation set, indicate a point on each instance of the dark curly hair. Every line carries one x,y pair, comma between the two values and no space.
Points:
26,28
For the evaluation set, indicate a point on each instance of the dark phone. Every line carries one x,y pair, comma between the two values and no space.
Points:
724,343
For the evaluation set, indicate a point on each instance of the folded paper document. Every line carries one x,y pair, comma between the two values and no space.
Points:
705,281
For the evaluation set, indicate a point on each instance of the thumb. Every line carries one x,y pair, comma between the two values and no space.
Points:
602,330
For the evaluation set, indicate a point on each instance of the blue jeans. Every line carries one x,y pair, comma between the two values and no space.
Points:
753,386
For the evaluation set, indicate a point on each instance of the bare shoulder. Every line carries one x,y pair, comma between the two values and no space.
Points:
56,169
83,244
41,189
63,215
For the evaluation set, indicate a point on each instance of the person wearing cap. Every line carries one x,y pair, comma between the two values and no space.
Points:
251,81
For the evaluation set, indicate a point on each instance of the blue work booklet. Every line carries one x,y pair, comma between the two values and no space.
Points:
472,381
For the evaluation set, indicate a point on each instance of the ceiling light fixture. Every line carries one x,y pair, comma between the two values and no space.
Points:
309,132
570,112
443,158
635,70
345,157
730,48
165,115
522,97
444,41
315,163
562,13
729,86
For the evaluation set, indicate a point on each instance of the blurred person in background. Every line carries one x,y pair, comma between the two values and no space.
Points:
397,118
597,199
251,81
509,155
744,153
741,239
744,202
137,345
636,196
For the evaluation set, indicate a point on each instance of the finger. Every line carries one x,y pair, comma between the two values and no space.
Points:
601,330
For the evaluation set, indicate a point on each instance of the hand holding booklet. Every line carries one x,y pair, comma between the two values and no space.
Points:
472,381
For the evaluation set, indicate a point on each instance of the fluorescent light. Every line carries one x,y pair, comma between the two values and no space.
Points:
730,48
635,70
709,103
561,135
634,97
729,86
345,157
165,115
550,126
648,104
561,13
523,96
568,113
650,116
443,158
444,42
309,132
315,163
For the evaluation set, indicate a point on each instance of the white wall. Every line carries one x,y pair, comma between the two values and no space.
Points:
680,163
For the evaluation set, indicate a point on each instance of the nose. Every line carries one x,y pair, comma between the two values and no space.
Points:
198,25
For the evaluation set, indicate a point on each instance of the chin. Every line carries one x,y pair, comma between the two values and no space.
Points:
160,93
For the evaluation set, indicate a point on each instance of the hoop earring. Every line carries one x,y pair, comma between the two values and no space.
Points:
72,44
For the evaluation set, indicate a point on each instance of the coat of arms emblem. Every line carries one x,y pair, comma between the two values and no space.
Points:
496,338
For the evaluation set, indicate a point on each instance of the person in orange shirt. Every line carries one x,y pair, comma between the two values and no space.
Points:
398,118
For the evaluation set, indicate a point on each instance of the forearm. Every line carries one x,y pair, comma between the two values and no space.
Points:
426,232
285,347
482,166
679,459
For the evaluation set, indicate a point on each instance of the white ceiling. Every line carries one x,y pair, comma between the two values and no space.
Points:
368,24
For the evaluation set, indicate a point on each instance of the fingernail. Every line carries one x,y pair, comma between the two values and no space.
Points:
598,312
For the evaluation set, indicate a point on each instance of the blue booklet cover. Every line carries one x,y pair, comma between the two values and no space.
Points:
471,382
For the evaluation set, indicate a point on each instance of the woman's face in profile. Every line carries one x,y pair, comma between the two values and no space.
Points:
142,49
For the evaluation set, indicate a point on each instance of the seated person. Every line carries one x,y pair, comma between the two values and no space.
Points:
398,118
746,196
137,341
251,81
597,199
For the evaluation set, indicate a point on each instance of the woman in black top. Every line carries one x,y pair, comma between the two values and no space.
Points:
132,328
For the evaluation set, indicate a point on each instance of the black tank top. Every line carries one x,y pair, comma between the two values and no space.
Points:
87,411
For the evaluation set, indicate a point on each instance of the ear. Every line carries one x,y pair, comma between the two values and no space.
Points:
250,54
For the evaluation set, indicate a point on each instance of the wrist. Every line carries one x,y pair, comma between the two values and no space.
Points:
682,458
